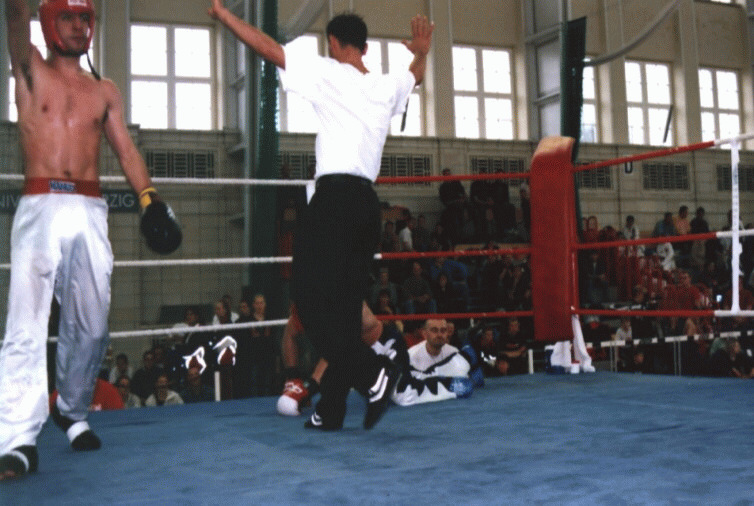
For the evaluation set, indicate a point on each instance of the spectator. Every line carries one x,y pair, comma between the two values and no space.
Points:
434,350
698,248
594,278
162,394
190,319
130,400
634,360
439,239
389,242
624,332
179,344
728,361
384,284
631,232
665,227
512,350
421,235
106,397
458,277
223,314
446,297
489,229
592,231
516,289
480,199
642,327
681,222
194,390
485,341
263,350
121,368
453,198
467,232
712,278
405,236
493,271
143,380
243,368
504,210
418,292
699,225
229,316
683,227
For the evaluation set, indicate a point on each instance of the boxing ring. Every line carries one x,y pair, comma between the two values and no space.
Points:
538,438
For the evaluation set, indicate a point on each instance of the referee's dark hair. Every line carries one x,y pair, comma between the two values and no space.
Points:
350,29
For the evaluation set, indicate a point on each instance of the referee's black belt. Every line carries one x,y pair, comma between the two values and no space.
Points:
342,179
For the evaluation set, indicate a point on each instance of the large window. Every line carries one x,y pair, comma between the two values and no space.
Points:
171,83
384,56
39,41
720,103
648,95
482,79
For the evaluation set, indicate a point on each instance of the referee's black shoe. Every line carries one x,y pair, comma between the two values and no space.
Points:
378,396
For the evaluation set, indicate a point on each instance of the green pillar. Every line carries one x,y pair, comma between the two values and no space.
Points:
264,278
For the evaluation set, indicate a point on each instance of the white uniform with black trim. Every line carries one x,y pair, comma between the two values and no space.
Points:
60,247
448,378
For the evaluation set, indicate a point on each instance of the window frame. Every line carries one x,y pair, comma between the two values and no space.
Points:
482,96
715,109
171,80
647,107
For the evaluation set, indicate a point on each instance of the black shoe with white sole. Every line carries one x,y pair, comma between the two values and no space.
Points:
378,396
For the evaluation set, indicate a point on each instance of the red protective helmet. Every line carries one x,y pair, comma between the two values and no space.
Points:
49,10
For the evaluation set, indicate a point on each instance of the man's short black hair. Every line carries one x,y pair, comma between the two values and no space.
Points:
350,29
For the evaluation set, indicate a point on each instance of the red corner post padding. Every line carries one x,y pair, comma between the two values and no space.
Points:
553,229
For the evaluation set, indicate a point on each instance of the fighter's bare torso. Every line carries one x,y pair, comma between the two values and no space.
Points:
62,113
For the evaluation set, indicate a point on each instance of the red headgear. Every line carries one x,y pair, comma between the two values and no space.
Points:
49,10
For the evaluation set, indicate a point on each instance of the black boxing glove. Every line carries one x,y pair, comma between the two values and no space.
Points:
158,224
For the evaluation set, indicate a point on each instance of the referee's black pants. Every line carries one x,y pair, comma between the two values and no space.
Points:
333,251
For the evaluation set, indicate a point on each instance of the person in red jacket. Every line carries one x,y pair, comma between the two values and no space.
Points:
106,397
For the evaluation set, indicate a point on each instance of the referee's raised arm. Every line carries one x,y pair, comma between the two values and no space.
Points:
258,41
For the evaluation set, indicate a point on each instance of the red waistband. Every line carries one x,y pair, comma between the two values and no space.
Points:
37,185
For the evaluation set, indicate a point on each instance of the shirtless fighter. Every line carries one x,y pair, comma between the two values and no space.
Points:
59,242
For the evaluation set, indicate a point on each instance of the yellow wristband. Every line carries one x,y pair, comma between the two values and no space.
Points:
145,198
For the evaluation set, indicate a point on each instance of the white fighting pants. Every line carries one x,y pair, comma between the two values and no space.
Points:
59,246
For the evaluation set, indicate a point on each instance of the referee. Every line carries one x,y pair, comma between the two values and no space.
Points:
340,229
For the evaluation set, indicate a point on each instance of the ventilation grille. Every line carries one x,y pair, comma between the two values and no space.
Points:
297,162
745,178
665,176
406,166
597,179
493,164
180,163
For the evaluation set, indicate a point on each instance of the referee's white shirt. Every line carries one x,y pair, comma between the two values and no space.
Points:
354,110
